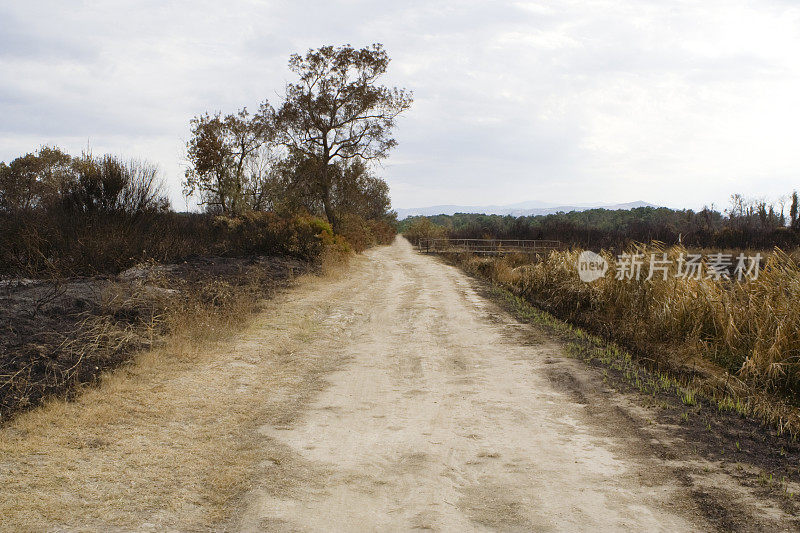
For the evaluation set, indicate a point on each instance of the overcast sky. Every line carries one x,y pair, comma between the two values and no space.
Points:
678,103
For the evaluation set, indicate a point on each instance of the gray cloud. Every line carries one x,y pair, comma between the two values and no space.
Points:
24,39
572,101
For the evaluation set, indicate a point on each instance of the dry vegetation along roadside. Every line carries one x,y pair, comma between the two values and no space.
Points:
60,334
735,342
170,440
723,428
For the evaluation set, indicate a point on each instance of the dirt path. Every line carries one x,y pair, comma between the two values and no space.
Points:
390,398
443,418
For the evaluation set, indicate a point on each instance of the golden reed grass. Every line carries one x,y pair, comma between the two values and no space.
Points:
745,334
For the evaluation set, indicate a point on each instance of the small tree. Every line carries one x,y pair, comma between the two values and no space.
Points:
20,188
337,111
423,228
793,211
356,191
110,185
35,179
353,189
230,159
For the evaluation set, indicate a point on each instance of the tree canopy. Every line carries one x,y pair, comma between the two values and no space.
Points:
230,159
314,152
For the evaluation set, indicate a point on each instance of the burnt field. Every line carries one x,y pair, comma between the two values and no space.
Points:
57,335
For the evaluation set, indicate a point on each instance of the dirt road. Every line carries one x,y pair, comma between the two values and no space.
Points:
392,397
443,417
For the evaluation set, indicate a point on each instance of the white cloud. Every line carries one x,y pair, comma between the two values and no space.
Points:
573,101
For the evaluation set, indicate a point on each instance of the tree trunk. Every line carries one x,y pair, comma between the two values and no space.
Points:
326,200
326,187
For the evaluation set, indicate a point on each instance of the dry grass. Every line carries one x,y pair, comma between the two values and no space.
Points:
739,341
98,323
168,440
59,348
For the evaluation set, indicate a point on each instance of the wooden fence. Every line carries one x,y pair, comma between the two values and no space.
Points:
488,246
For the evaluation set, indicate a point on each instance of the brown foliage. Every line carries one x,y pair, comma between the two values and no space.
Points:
65,243
423,228
744,333
363,233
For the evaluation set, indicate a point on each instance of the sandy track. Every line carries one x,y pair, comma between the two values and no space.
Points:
389,398
442,417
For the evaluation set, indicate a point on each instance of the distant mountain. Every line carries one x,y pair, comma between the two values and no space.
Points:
521,209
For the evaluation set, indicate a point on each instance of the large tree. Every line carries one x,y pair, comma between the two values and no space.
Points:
338,111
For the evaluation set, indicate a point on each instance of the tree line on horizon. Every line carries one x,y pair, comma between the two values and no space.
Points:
744,224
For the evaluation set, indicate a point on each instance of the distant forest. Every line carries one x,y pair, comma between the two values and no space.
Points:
744,225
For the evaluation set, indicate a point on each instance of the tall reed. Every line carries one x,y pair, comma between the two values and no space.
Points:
745,332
